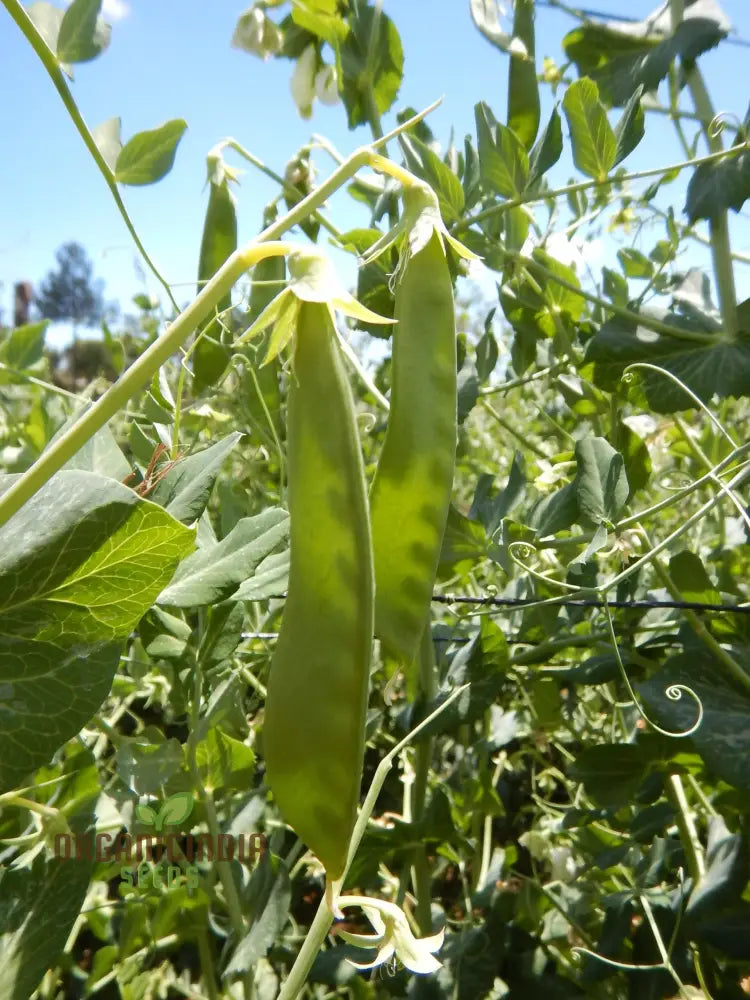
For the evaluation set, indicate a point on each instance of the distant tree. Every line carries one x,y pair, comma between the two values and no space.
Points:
70,292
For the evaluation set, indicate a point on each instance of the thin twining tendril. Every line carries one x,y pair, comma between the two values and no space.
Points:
525,550
673,691
367,421
719,122
674,481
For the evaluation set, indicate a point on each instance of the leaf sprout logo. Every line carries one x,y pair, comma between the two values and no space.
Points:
173,811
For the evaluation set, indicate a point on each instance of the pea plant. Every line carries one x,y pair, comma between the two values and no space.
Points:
394,640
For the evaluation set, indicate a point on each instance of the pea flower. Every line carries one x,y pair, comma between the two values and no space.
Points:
303,81
313,279
257,34
392,936
419,220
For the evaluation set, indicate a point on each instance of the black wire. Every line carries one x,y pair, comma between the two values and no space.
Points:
520,602
583,602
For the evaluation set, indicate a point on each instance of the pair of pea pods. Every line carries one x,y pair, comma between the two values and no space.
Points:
357,568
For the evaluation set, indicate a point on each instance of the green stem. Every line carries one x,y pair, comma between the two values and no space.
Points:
324,917
49,60
142,370
427,692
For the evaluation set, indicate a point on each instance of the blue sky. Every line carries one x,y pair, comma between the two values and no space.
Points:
170,59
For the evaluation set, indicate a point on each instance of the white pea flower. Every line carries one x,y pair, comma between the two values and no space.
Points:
562,865
303,81
392,936
326,85
256,33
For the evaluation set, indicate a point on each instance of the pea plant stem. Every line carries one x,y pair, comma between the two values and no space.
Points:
324,917
142,370
49,61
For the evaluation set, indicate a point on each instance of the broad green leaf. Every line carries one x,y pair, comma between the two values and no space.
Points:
79,565
108,138
491,510
270,579
224,762
594,143
631,127
367,53
611,773
219,241
213,573
635,264
83,34
101,453
47,20
147,763
503,161
185,489
38,907
691,579
423,162
547,150
721,368
621,56
372,279
149,156
24,346
523,86
717,186
487,355
321,18
539,314
723,738
601,484
464,543
269,896
725,877
555,512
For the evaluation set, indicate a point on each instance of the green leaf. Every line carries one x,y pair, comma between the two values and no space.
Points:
631,127
224,762
725,876
174,810
269,896
487,355
523,86
721,368
270,579
80,564
555,512
38,907
594,143
214,572
185,489
464,543
321,18
83,34
547,150
47,20
503,161
24,346
101,453
421,160
691,578
108,138
149,156
611,773
601,484
146,763
219,241
262,393
621,56
366,55
635,264
717,186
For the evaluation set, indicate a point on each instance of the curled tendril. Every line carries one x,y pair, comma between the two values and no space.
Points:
628,378
520,551
367,420
719,122
674,481
673,692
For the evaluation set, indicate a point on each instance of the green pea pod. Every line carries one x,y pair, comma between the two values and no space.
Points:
523,86
318,688
219,242
412,486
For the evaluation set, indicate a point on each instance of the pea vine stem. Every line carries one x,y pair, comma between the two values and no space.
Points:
49,61
324,917
143,369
